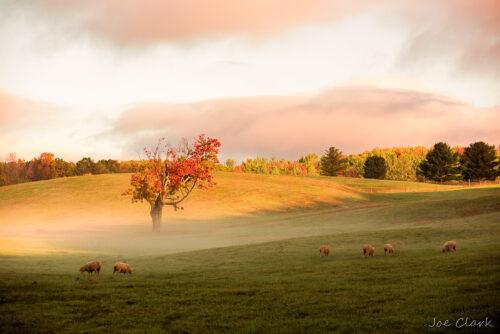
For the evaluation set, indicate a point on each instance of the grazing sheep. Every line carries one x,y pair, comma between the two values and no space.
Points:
324,250
122,268
388,249
368,251
91,267
449,246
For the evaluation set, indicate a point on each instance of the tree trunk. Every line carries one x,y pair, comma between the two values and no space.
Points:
156,211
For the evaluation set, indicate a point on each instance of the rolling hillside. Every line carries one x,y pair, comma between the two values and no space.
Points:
243,257
89,213
68,200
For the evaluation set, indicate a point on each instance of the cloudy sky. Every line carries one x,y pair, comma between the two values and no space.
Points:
267,77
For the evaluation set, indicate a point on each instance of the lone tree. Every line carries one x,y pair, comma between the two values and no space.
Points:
440,164
375,167
170,174
331,163
479,162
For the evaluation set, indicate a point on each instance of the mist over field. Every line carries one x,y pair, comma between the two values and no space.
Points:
90,210
89,213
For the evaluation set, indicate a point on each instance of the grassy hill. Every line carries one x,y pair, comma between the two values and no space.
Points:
89,214
60,200
243,257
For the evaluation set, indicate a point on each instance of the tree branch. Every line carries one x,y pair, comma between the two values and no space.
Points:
164,181
175,202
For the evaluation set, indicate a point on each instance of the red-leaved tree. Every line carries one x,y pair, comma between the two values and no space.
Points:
169,174
42,168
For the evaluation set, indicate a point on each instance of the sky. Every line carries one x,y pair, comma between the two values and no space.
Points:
280,78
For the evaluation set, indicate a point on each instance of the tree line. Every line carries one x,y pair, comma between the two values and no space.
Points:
307,165
477,162
46,166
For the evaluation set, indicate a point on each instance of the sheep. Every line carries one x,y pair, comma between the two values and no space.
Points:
324,250
368,251
388,249
449,246
122,268
91,267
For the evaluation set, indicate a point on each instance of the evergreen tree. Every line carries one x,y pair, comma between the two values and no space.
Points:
375,167
331,163
479,162
440,164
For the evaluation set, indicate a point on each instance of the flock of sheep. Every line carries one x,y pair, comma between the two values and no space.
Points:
369,250
94,267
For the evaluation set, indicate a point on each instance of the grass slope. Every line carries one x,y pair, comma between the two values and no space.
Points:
89,213
273,280
86,197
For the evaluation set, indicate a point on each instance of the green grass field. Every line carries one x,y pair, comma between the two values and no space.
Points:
243,257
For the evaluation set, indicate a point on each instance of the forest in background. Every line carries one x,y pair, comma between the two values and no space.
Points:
402,163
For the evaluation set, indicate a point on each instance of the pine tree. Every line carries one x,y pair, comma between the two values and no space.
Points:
479,162
331,162
375,167
440,164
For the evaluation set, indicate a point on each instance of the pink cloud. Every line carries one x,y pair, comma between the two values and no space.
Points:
469,31
353,118
128,22
20,112
466,31
29,127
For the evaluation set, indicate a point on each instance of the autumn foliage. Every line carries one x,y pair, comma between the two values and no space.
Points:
307,165
45,167
402,164
42,168
169,174
177,170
